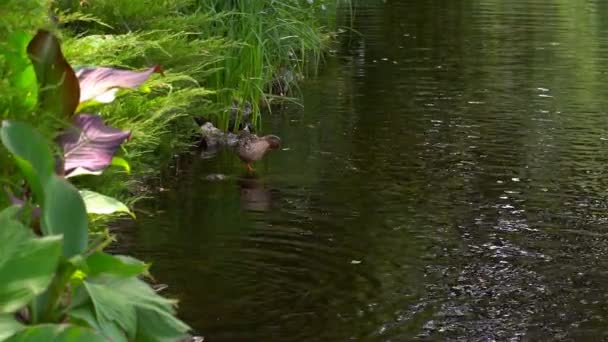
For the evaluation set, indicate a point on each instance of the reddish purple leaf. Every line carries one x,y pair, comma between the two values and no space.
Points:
89,145
59,91
102,83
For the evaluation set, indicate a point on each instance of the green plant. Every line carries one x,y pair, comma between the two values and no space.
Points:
56,279
63,278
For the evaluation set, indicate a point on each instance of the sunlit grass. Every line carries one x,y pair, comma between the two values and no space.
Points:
238,48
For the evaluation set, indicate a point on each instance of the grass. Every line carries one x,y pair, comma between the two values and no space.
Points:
272,38
237,48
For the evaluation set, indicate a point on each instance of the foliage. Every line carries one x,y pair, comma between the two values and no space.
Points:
245,50
56,281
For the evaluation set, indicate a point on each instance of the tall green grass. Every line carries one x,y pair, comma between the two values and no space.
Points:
236,47
273,39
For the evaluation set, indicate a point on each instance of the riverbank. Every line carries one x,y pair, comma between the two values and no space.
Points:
214,55
206,59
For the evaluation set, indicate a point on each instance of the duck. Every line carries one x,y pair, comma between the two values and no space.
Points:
251,148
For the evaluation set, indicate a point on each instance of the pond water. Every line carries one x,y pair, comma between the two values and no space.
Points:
446,180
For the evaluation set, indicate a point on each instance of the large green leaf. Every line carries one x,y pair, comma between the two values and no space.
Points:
59,88
159,327
32,154
56,333
64,213
27,264
112,308
9,326
86,314
121,266
9,214
133,305
97,203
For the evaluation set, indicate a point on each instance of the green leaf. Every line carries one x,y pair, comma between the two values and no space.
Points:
32,154
9,326
9,214
86,314
97,203
56,333
65,213
159,327
27,264
121,266
122,300
121,162
112,307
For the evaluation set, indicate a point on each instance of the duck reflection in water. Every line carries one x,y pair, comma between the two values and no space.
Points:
254,194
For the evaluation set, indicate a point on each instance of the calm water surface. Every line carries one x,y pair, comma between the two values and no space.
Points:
446,180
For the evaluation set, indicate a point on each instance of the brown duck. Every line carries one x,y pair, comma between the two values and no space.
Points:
251,148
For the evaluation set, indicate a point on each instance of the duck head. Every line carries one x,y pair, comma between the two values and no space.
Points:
274,142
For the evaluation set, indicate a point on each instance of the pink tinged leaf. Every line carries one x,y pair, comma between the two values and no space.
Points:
101,84
89,145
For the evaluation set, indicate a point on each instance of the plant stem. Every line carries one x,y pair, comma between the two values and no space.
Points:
56,291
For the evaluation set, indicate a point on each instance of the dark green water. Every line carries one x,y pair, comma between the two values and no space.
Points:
446,180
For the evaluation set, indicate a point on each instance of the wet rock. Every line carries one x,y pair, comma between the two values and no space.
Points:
214,138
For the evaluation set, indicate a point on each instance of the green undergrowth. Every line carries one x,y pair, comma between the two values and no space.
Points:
212,52
240,49
13,97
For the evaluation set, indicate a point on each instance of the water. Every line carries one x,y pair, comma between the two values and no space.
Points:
446,180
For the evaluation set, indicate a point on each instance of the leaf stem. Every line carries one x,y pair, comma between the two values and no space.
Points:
56,291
